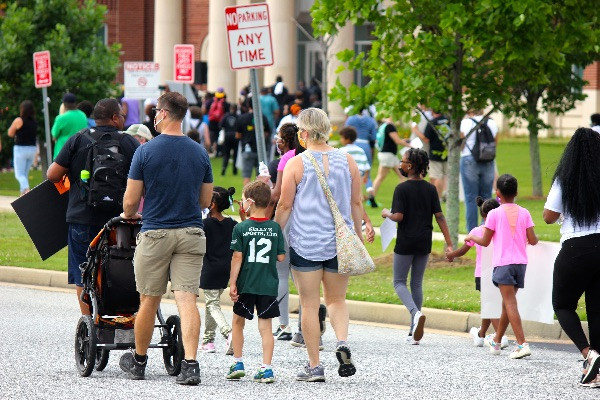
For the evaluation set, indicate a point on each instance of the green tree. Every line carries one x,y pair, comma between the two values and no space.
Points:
452,55
81,62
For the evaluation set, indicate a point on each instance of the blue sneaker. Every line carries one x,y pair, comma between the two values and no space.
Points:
264,376
236,371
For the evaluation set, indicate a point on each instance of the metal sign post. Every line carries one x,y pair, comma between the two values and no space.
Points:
249,42
45,100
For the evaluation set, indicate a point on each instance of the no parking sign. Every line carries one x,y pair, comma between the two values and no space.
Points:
249,36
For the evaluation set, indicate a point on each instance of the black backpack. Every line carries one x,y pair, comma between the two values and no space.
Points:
108,169
484,149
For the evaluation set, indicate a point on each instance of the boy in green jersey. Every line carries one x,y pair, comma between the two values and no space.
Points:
257,245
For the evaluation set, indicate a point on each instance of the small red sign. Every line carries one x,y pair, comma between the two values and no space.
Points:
184,63
42,69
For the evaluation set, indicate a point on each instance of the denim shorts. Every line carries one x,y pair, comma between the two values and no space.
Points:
301,264
78,241
512,274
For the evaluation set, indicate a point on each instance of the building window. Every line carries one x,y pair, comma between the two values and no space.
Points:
103,34
363,39
577,71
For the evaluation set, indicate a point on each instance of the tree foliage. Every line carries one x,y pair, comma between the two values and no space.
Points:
453,55
81,62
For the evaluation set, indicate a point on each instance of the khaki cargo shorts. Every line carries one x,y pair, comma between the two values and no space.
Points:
163,253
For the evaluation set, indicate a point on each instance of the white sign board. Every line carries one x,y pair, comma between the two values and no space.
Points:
141,80
249,36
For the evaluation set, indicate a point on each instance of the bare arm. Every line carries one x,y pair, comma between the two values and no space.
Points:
441,220
276,191
56,172
15,126
451,255
131,199
482,241
280,257
394,136
206,191
550,217
292,173
532,238
356,207
236,265
369,230
206,134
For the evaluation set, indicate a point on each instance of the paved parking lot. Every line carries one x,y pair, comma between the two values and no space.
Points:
37,327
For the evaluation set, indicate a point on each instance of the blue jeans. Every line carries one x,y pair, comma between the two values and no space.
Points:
478,180
23,158
78,241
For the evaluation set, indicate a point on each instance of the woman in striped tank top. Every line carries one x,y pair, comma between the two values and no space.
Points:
313,256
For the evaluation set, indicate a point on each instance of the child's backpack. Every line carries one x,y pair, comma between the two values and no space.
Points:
108,170
216,110
380,137
484,149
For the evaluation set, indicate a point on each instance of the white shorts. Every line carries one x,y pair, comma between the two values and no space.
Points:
388,160
438,169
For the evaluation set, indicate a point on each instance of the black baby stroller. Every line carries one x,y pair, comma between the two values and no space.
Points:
110,292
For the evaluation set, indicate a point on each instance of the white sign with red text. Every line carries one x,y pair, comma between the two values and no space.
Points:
42,69
184,63
249,36
142,79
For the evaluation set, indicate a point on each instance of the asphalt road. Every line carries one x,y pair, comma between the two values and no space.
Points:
37,329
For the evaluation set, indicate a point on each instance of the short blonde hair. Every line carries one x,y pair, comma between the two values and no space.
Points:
316,123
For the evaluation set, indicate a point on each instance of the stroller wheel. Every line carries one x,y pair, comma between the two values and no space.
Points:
85,345
101,359
173,354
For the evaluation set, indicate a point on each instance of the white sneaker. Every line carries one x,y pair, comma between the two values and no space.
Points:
418,324
495,348
477,340
522,350
504,342
229,345
410,340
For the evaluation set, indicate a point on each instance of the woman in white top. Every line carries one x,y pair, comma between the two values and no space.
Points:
575,194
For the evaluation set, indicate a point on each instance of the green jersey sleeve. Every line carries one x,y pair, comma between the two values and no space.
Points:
236,239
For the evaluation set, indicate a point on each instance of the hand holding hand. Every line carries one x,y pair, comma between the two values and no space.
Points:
369,232
233,294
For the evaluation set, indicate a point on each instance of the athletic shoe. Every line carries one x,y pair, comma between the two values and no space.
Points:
322,316
477,340
264,376
504,342
208,347
410,340
418,324
520,351
190,373
346,368
136,370
229,346
283,333
591,365
308,374
494,347
594,383
236,371
297,340
372,202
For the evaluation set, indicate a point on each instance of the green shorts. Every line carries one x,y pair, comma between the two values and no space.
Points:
164,254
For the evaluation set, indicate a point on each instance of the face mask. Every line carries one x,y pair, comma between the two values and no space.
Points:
301,141
403,173
248,208
156,123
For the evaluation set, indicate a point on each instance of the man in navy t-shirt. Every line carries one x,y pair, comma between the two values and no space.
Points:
174,174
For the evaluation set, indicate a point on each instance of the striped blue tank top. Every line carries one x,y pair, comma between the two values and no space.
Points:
312,230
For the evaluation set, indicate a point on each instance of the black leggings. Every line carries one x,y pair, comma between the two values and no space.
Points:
577,271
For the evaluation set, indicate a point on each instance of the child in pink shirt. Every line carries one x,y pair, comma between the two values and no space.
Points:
511,227
485,206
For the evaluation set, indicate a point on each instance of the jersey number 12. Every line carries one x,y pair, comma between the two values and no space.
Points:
260,255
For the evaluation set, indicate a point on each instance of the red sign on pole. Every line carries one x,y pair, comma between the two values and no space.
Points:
249,36
42,69
184,63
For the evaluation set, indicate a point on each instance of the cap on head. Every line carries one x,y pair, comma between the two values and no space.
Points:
220,93
139,130
69,98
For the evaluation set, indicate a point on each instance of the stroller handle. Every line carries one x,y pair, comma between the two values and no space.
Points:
118,220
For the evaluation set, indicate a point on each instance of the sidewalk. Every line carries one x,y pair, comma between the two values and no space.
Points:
394,314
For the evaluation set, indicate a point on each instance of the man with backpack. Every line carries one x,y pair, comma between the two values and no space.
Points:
97,182
436,135
216,108
477,166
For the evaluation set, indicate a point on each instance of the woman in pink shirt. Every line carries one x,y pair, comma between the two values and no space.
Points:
511,227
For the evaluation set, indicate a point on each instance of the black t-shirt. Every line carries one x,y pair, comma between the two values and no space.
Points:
229,123
436,145
389,146
217,260
245,126
26,136
418,201
73,156
273,170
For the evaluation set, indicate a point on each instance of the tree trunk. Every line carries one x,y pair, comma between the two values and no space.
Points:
534,148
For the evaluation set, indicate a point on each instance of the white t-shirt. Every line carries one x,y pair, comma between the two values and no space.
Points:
568,230
596,128
465,127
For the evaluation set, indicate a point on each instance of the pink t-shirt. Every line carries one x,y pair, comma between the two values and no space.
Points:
509,223
285,158
477,231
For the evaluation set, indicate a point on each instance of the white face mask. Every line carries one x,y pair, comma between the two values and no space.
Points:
156,123
248,208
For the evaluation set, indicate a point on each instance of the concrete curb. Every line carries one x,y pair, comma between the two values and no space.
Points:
393,314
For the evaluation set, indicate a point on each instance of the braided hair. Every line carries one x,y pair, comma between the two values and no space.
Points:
419,160
222,197
485,206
